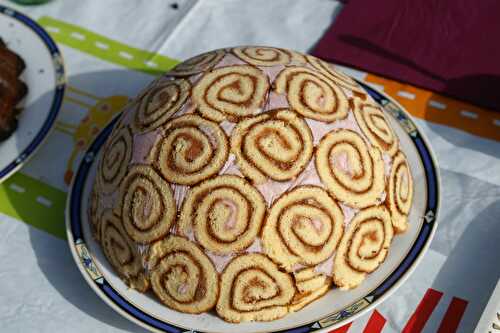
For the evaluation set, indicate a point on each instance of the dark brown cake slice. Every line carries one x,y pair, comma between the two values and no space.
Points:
12,90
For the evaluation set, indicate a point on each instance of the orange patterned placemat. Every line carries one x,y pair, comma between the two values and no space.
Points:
443,110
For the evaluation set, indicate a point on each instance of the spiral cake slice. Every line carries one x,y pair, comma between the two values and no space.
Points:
115,160
198,64
231,93
374,125
267,56
337,76
191,150
160,103
352,171
253,289
147,205
276,144
312,94
182,276
304,226
400,193
122,252
224,213
363,247
310,286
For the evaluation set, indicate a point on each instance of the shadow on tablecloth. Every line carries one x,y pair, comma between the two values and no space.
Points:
54,257
55,261
469,235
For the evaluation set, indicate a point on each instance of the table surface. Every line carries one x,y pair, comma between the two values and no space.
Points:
42,290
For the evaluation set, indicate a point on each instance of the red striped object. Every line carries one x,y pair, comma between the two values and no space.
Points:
453,315
375,323
424,310
342,329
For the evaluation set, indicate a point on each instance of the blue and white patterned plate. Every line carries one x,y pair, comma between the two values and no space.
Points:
335,309
44,76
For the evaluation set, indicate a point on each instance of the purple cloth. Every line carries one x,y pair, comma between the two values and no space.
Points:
448,46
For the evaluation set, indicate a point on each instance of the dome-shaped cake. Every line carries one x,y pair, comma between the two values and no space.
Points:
250,181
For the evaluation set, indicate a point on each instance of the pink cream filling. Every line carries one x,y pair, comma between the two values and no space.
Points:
320,129
276,101
341,161
142,144
404,186
349,213
297,267
180,192
318,225
187,108
272,71
229,60
230,168
326,267
227,127
147,208
321,101
183,288
387,164
255,247
194,78
273,189
231,221
221,261
404,180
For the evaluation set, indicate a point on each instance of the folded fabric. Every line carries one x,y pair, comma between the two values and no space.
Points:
448,46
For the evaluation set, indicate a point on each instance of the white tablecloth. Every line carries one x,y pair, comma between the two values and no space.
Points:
41,290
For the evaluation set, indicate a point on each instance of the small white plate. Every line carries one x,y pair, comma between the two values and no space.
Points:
44,76
335,309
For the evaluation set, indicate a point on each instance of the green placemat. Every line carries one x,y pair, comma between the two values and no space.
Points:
28,199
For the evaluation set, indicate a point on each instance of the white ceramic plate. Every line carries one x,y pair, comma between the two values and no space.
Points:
44,76
336,308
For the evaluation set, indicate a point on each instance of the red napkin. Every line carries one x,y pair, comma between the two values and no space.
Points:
448,46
